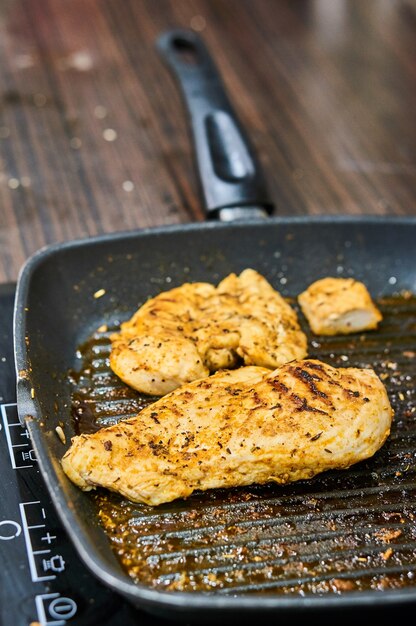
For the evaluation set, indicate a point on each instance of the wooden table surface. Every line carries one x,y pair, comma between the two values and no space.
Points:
94,136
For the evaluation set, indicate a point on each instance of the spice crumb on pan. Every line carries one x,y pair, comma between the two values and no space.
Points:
387,554
341,584
99,294
59,431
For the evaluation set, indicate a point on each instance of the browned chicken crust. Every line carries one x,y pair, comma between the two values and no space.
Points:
190,331
236,428
335,306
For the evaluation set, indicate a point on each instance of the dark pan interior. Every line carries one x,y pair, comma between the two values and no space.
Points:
66,292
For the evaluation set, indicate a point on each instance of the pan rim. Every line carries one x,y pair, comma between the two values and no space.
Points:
136,592
213,224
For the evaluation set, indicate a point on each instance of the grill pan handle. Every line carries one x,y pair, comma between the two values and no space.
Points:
230,176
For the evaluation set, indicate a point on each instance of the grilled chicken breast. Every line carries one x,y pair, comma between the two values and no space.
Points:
190,331
250,425
335,306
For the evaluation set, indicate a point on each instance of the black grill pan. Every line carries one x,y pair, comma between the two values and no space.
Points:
343,542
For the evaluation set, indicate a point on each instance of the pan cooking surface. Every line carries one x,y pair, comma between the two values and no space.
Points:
343,531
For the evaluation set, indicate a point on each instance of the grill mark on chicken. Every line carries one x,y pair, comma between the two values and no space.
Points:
309,380
279,386
302,405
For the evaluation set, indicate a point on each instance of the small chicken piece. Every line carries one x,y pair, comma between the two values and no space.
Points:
339,306
190,331
238,427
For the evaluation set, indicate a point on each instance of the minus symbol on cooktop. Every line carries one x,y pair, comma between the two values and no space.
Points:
37,526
